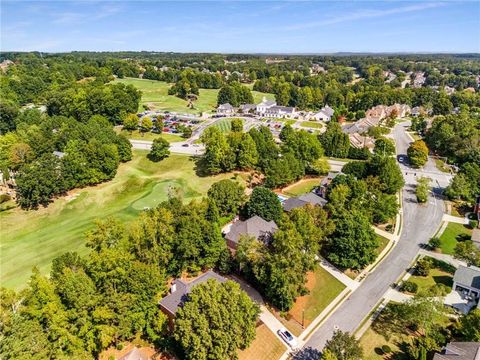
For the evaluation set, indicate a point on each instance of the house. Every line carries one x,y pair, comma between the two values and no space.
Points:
326,181
247,108
280,112
136,354
476,209
225,109
416,111
459,351
302,200
419,79
476,237
264,105
257,227
467,281
358,141
179,293
59,154
325,114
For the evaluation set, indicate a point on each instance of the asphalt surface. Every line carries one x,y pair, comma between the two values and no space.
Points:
420,223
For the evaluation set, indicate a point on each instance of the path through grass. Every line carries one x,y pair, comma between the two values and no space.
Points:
34,238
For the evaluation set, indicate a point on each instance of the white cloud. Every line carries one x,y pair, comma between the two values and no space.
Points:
365,14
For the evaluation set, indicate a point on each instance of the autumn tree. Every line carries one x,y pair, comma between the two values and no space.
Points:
418,153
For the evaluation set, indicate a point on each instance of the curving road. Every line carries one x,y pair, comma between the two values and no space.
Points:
419,224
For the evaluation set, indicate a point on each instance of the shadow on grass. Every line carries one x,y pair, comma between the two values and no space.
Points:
445,280
200,166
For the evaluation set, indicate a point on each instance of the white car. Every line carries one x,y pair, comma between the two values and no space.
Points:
288,338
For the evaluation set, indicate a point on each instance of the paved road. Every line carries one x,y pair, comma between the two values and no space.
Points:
419,225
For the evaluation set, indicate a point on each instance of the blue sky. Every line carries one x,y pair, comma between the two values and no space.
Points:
245,26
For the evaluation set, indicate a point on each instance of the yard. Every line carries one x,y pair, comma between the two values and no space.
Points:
266,346
441,273
225,125
372,342
150,136
324,288
34,238
311,124
452,235
301,187
155,95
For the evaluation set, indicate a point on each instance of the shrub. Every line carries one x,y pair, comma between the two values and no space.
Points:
386,349
438,290
434,242
423,267
4,198
473,223
409,286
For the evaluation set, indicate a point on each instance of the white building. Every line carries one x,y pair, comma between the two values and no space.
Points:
325,114
265,105
280,112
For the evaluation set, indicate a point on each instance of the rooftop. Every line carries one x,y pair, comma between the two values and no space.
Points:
255,226
460,351
469,276
180,289
302,200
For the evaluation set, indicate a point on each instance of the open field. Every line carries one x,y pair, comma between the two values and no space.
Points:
324,288
312,124
301,187
266,346
452,235
150,136
155,95
34,238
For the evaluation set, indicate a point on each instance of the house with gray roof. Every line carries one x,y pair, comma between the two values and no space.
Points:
467,281
302,200
225,109
179,292
325,114
280,112
459,351
256,227
247,108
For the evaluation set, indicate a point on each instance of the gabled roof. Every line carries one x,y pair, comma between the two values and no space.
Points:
255,226
226,106
460,351
469,276
327,110
302,200
135,354
180,289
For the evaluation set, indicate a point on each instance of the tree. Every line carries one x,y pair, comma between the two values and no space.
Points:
344,346
353,244
146,124
216,321
422,189
328,355
228,196
130,122
20,154
228,95
470,325
187,132
319,167
160,149
418,153
218,155
237,125
264,203
388,172
467,251
334,141
384,147
246,153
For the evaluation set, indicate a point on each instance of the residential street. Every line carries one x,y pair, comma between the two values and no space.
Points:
419,224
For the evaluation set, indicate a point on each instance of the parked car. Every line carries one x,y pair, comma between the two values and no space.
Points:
288,338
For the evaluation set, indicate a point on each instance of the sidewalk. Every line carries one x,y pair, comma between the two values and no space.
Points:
449,259
344,279
455,219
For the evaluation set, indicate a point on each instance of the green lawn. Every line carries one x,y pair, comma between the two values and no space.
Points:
150,136
301,187
155,95
440,164
225,125
372,342
36,237
311,124
452,235
382,243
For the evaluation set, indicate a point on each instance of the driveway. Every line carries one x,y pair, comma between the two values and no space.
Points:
419,224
